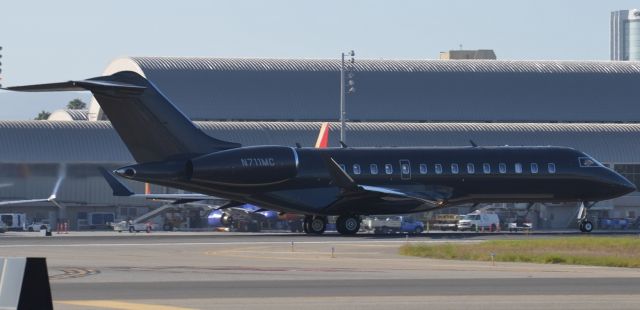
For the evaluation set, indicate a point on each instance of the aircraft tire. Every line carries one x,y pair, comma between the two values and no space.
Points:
348,224
316,225
586,226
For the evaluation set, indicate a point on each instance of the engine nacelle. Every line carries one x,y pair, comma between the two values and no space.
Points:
247,166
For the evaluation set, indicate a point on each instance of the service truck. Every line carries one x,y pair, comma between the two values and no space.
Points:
445,222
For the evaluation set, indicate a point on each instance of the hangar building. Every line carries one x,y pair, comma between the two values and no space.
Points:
586,105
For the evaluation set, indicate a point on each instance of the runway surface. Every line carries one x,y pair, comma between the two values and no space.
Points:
245,271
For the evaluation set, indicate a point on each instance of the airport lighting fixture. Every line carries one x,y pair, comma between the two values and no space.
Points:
347,86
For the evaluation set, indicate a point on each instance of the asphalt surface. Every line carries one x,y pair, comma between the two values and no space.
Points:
107,270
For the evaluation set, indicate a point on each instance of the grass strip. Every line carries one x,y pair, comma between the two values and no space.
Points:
592,251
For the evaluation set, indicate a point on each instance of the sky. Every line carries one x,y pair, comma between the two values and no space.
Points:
51,41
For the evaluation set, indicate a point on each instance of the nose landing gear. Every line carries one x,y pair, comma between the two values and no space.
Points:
583,222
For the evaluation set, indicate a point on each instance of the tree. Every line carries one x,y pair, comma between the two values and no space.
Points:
76,104
43,115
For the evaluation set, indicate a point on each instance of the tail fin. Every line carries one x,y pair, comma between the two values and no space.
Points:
152,128
323,136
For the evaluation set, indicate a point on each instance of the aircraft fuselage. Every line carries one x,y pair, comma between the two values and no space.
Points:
298,179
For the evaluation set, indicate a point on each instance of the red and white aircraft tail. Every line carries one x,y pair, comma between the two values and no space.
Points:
323,136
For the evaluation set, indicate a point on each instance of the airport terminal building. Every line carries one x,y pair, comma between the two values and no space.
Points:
587,105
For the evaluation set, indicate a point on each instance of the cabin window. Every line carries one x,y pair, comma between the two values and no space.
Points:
373,168
471,169
405,169
438,169
534,168
551,167
518,167
356,169
343,167
502,167
423,169
455,169
388,169
486,168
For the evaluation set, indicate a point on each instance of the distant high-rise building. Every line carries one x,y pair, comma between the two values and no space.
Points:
625,35
467,54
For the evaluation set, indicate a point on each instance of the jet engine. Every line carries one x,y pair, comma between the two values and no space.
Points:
218,218
247,166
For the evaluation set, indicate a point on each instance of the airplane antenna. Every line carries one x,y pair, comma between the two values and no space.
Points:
344,146
473,143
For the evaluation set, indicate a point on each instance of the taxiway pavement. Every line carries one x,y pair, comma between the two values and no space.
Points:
244,271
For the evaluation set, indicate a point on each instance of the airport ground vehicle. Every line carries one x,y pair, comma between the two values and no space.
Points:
520,224
130,226
38,226
393,224
14,221
445,222
479,220
3,227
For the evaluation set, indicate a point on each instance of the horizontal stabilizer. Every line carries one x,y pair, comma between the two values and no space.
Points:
88,84
118,188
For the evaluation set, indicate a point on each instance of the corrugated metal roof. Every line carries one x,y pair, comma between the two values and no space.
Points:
97,142
396,90
385,65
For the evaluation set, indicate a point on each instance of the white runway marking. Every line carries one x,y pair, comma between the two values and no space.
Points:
225,243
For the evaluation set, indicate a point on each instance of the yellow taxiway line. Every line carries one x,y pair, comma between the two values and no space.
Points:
121,305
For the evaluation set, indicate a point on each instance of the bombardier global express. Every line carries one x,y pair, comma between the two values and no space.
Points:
347,182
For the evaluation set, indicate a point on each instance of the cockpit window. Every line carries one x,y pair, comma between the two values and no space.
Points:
588,162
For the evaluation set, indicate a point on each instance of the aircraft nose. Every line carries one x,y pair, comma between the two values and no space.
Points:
628,187
623,186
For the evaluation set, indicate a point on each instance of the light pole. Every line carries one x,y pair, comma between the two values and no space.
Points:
0,65
348,69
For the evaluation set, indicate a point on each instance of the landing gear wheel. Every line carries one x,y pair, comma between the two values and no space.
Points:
348,224
586,226
315,224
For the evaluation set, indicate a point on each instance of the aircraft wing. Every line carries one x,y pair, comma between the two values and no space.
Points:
18,202
356,194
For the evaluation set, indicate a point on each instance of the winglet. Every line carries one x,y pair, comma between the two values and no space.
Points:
338,176
118,188
323,136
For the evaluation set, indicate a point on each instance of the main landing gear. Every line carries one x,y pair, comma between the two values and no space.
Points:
583,222
314,224
348,224
345,224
